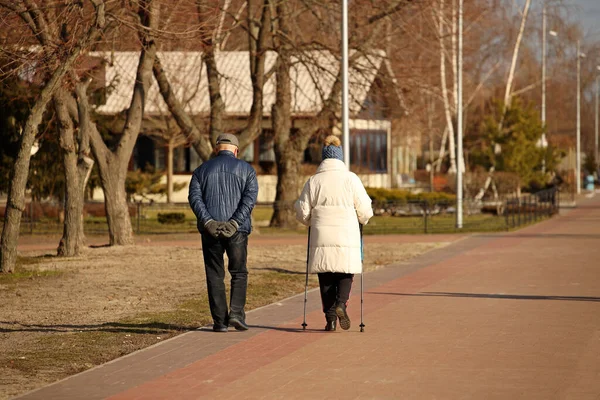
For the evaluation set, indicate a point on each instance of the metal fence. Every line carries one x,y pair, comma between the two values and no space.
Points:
390,217
478,216
530,208
47,218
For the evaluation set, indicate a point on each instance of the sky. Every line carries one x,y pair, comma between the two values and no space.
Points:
588,12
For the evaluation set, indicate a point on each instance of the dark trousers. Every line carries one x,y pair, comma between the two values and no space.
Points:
335,288
237,252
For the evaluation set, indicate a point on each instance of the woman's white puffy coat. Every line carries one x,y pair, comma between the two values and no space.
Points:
332,203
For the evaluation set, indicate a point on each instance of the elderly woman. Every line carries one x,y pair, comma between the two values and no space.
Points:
333,203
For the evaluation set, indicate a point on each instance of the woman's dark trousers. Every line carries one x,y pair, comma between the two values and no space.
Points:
335,288
236,248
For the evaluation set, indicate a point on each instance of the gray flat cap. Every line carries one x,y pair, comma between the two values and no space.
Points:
228,138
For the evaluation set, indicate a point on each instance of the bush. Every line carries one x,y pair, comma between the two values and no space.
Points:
379,195
385,195
171,218
432,198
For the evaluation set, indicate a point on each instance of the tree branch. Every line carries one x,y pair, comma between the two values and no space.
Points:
201,143
393,9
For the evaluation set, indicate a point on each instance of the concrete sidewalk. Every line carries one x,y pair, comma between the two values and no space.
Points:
503,316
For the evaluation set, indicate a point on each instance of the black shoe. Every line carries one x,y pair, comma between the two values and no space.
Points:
238,323
331,325
340,311
219,328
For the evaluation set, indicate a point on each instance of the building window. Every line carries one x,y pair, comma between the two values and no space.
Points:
143,154
266,146
248,154
160,159
194,161
178,159
368,150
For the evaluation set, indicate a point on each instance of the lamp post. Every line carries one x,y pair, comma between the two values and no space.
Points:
597,154
580,55
459,121
544,56
344,66
544,66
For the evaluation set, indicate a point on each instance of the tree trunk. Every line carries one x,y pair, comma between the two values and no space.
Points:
120,230
513,65
289,146
288,159
170,171
217,106
259,33
440,160
72,240
16,192
431,156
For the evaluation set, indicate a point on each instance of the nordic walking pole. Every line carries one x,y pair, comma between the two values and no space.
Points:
362,274
304,325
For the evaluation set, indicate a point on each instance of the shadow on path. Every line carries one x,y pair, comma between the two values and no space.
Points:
287,329
491,296
281,270
541,235
151,327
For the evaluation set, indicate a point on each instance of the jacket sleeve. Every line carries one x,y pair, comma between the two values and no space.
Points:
196,201
248,200
362,201
303,206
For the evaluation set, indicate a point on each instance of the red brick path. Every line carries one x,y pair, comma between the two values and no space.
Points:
509,316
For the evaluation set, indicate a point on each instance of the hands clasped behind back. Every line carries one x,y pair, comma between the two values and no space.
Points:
229,228
219,230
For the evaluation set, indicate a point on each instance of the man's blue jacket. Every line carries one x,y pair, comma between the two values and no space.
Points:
224,188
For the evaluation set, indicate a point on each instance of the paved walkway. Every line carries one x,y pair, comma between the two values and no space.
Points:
508,316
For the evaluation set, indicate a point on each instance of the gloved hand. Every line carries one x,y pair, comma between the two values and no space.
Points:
214,228
229,228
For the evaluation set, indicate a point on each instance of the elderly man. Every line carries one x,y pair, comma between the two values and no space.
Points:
222,194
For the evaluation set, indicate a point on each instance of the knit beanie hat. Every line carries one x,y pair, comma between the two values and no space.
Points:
332,148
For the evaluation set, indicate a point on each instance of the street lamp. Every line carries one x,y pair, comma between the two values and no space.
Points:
544,54
459,122
345,88
597,96
580,55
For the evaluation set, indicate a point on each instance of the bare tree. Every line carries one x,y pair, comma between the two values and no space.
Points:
290,143
449,108
59,63
508,91
258,33
112,164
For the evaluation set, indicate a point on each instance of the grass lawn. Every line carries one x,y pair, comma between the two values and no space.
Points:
147,223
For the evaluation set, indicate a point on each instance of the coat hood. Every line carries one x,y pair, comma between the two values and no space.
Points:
332,164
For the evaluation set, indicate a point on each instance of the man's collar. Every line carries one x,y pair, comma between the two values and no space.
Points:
226,153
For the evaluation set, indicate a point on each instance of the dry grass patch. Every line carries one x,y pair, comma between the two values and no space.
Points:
62,316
